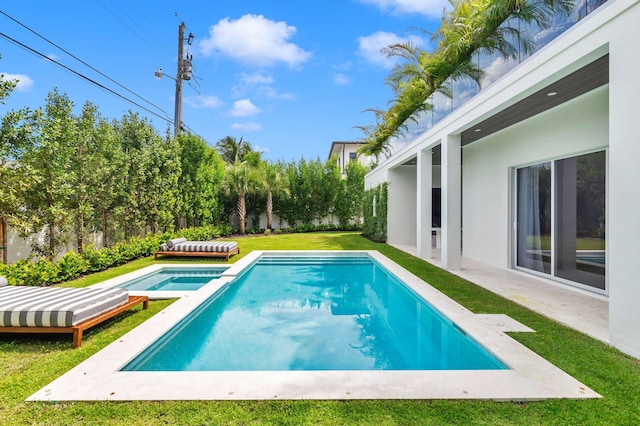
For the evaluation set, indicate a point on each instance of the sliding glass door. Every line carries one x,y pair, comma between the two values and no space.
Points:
560,219
534,217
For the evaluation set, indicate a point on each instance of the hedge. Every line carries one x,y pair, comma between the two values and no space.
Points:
374,209
42,272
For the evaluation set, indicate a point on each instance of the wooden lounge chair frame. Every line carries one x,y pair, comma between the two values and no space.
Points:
225,254
78,329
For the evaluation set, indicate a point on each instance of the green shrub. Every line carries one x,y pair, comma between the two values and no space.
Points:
71,266
26,272
375,213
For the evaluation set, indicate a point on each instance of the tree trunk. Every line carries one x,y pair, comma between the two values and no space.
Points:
52,242
79,236
3,240
104,228
269,209
242,213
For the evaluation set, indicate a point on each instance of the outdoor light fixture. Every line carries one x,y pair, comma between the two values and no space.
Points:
552,93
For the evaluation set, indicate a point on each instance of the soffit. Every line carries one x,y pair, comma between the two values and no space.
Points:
585,79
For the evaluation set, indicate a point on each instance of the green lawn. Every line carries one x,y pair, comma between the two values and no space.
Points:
28,364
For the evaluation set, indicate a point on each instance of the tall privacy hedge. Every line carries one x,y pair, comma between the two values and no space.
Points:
375,213
72,265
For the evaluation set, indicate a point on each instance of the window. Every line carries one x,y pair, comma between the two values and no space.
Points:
353,156
560,216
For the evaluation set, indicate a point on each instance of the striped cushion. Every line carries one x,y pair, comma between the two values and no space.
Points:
206,246
175,241
55,306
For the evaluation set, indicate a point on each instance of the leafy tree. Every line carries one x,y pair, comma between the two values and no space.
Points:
199,183
108,190
159,189
143,180
84,165
38,144
350,194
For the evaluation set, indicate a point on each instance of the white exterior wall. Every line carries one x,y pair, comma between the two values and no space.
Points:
575,127
402,206
624,176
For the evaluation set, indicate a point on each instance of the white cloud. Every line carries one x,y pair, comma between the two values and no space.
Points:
249,126
341,79
370,47
260,84
244,108
249,82
254,40
260,149
255,79
25,83
271,93
430,8
201,101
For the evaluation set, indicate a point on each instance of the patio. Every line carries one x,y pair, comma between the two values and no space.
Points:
581,310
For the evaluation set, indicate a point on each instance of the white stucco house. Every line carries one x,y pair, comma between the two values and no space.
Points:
538,170
345,152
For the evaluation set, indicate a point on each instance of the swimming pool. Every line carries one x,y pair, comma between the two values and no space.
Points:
166,281
172,279
528,376
315,313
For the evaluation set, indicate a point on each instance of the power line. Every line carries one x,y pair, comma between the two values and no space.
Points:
82,62
89,80
84,77
132,30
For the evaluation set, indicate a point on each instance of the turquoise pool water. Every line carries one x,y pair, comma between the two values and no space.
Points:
314,313
174,279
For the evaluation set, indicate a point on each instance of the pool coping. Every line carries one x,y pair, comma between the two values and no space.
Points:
530,376
157,294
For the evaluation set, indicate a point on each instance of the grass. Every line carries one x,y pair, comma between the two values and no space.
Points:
584,243
29,363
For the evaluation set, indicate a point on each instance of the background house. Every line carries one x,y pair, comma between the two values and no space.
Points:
345,152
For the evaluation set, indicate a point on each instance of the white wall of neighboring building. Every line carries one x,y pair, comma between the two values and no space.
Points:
605,118
342,152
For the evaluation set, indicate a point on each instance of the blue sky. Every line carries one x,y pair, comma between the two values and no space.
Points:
290,76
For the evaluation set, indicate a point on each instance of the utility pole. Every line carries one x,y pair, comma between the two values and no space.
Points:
177,118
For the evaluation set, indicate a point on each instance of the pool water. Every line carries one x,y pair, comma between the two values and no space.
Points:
314,313
174,279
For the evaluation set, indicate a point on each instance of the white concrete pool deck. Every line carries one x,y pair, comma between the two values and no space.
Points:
579,309
530,377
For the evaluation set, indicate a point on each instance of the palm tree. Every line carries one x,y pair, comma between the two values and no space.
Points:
241,179
275,182
472,26
233,151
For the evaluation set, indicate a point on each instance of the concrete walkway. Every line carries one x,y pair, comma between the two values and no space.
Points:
579,309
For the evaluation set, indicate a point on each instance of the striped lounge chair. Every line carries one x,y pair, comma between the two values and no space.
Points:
60,310
182,247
